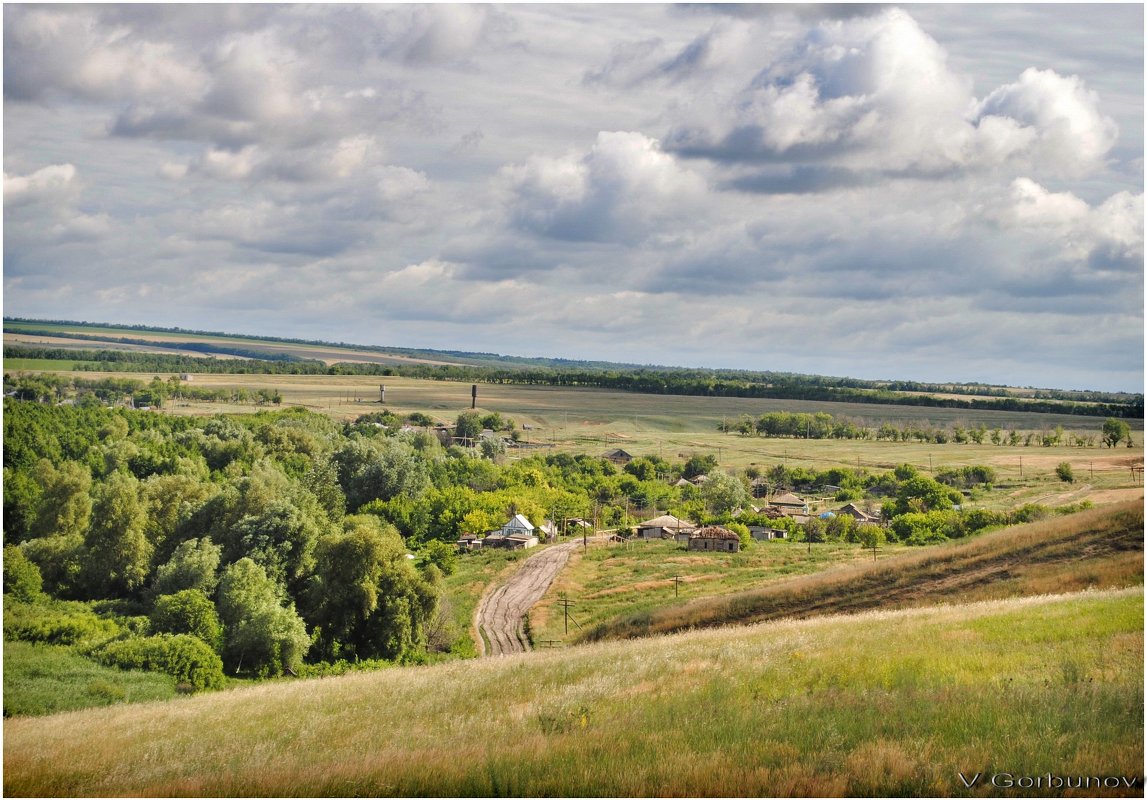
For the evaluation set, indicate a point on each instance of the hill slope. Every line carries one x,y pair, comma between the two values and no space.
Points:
1097,548
885,704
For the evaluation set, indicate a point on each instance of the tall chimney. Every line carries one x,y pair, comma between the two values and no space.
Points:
473,396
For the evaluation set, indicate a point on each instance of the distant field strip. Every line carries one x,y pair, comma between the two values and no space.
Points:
885,704
1099,548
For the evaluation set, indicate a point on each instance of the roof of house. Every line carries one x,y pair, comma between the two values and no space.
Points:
666,521
521,537
856,511
713,533
519,521
788,499
618,453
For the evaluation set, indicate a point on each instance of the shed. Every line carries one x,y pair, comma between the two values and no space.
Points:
765,533
714,538
517,541
468,542
663,528
618,456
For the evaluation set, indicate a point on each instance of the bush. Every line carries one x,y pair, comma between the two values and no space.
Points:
184,657
21,576
56,623
188,612
1065,473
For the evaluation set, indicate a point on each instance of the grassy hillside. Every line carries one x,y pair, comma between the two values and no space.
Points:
1098,548
890,703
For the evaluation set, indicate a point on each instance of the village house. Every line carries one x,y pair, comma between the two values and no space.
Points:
518,532
790,504
861,516
619,457
665,527
714,538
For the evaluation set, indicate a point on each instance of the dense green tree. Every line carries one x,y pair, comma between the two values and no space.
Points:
699,465
59,559
117,555
188,612
724,494
21,501
193,566
281,539
367,600
379,470
65,502
261,637
169,500
1115,431
468,425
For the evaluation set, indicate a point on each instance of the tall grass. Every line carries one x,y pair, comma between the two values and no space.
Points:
42,679
888,703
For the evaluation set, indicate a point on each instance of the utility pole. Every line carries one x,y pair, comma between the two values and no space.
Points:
565,603
676,582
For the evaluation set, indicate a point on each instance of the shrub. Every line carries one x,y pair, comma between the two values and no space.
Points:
188,612
186,658
1065,473
56,622
21,576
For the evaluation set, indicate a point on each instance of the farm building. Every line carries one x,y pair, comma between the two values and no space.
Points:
855,511
665,527
469,542
714,538
517,541
765,533
790,504
618,456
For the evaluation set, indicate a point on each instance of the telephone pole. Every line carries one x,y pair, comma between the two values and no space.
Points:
565,603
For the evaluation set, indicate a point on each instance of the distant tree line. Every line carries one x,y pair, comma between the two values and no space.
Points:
668,381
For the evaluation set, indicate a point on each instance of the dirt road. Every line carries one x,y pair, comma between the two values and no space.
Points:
500,612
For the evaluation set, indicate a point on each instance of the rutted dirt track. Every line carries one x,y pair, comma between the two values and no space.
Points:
500,612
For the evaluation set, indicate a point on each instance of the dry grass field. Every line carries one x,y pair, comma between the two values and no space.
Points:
879,704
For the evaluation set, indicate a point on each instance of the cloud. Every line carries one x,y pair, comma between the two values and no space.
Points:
1060,118
621,190
877,93
52,184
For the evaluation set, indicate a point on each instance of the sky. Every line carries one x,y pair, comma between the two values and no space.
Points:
922,192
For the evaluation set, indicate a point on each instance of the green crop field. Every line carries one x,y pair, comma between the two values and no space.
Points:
882,704
39,365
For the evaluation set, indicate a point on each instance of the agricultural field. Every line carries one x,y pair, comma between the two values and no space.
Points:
884,704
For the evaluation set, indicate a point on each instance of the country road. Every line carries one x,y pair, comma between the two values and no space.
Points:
500,612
